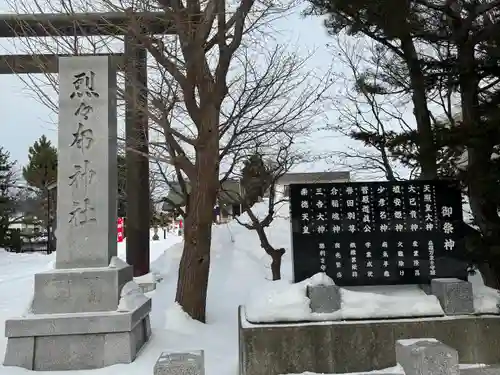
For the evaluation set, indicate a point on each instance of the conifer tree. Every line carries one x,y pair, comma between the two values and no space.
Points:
7,197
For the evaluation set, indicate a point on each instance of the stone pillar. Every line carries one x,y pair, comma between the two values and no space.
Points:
87,167
87,313
136,126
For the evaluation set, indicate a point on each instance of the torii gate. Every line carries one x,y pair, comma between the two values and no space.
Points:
134,63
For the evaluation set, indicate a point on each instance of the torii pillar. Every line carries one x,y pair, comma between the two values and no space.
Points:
137,150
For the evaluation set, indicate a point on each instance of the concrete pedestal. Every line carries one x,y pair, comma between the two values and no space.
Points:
75,323
339,347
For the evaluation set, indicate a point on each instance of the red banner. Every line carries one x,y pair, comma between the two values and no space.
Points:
119,227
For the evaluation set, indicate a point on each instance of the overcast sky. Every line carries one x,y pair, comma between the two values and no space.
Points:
24,120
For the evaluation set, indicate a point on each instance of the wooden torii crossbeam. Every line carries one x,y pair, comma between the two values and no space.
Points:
46,63
134,63
77,24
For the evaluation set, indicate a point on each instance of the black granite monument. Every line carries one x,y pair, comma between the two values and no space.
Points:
377,233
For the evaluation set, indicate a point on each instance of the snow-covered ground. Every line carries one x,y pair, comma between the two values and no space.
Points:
283,302
239,275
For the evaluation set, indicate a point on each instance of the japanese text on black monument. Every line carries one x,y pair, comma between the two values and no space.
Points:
376,233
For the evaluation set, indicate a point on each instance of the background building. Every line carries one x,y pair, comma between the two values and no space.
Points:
282,187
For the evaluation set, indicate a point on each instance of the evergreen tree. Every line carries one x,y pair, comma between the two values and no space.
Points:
255,180
7,197
42,166
441,52
40,172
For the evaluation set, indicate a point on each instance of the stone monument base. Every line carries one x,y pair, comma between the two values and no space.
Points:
78,341
63,291
329,347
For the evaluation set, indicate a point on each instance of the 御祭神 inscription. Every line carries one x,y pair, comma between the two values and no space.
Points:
83,175
377,233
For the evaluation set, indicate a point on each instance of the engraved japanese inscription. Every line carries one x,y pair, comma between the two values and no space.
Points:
377,232
86,178
83,174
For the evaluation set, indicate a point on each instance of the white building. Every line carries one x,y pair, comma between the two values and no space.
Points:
282,186
25,225
24,218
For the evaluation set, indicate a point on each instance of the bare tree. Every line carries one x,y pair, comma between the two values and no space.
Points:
200,75
271,100
275,165
223,124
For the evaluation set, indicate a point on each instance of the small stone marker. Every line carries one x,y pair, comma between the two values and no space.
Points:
454,295
426,357
324,298
180,363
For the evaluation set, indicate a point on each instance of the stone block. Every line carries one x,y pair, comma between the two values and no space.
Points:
59,353
119,348
426,357
147,327
481,370
147,287
147,283
78,323
180,363
20,351
76,341
454,295
79,290
324,298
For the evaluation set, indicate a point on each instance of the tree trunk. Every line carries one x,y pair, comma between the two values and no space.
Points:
479,171
427,153
275,254
489,273
194,266
389,172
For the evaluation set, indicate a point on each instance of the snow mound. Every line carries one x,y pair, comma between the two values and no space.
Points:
131,297
486,300
177,320
284,301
